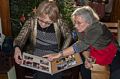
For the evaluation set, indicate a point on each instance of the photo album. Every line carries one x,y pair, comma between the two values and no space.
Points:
51,67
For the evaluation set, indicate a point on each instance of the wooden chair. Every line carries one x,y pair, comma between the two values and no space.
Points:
114,27
100,72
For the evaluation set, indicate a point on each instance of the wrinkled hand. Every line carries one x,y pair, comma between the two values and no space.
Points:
88,64
52,57
17,55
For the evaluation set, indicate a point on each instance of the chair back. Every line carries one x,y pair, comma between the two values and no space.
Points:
114,27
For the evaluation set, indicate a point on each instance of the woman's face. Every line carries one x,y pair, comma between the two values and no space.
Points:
44,21
80,23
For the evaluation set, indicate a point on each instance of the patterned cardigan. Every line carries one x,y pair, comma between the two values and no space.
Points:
29,31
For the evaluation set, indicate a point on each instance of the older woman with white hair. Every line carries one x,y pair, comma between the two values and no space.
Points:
94,40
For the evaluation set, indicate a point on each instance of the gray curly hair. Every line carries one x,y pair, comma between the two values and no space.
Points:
87,13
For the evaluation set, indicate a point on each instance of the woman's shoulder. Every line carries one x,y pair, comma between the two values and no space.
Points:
96,25
95,28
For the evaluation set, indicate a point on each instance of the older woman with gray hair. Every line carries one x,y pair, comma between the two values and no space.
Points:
94,41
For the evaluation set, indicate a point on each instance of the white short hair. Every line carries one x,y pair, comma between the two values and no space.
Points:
87,13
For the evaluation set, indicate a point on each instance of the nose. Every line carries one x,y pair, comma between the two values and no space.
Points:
76,26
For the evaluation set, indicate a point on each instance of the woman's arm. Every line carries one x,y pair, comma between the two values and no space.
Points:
22,37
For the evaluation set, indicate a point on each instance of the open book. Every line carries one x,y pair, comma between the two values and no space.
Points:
51,67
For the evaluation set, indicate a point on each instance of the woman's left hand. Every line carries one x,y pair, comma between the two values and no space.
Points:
88,64
52,57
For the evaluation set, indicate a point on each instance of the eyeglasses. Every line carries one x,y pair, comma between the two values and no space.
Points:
47,23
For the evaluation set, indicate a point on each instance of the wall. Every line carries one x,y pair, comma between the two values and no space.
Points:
115,15
5,17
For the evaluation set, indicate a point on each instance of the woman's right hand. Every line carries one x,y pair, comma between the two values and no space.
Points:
18,55
53,56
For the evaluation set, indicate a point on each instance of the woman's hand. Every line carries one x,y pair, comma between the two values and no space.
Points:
51,57
88,64
17,55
